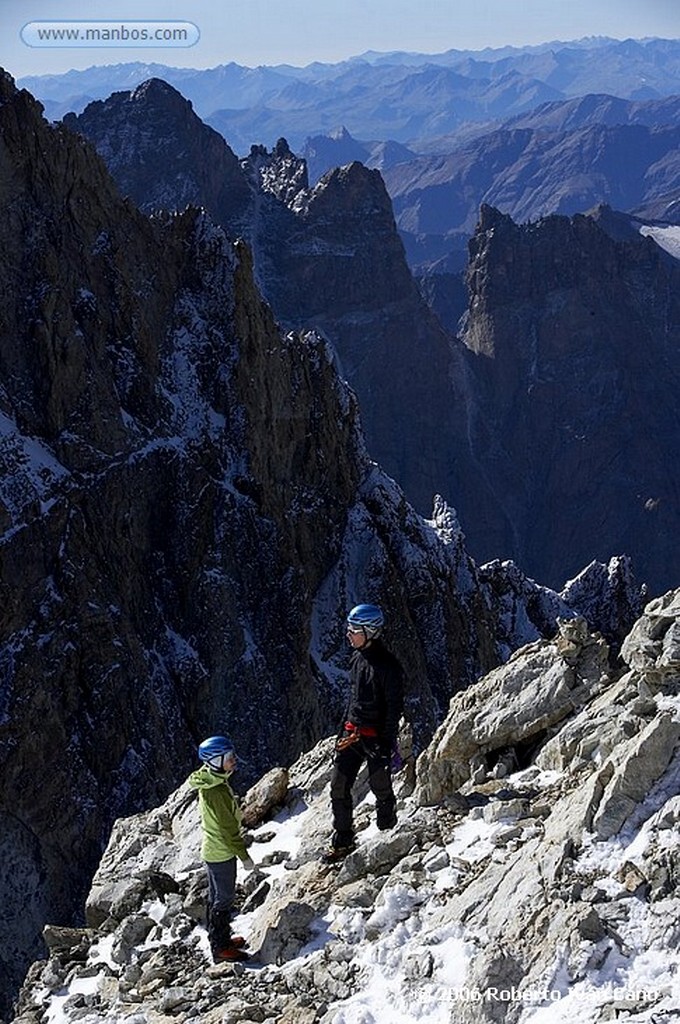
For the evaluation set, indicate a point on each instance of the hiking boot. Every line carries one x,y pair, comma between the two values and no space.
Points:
337,853
230,955
383,826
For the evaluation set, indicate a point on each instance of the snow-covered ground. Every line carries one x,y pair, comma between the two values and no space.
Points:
413,970
667,237
410,949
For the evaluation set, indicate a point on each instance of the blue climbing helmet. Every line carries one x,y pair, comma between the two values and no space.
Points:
215,750
367,617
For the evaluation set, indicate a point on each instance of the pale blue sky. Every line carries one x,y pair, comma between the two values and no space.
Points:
255,32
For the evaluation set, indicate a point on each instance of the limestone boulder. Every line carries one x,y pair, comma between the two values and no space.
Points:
631,771
653,645
265,797
283,923
540,686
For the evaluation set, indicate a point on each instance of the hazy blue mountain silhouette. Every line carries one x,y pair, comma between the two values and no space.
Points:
405,97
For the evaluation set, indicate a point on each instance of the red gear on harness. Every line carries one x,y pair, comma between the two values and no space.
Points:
353,733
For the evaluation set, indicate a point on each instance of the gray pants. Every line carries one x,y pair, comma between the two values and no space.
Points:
221,889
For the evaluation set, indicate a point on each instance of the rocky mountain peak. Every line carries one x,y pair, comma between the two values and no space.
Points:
339,134
152,98
158,92
609,595
353,184
8,88
162,155
19,100
278,173
490,218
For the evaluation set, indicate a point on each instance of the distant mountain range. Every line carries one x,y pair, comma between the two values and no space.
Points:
407,98
557,128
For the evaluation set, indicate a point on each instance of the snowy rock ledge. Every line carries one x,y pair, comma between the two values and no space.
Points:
540,887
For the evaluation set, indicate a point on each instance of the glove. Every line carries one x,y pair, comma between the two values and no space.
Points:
248,863
347,740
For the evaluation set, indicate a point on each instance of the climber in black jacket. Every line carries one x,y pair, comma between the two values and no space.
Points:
369,729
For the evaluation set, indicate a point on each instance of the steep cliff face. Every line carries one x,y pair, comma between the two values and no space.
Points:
187,511
573,347
341,268
328,258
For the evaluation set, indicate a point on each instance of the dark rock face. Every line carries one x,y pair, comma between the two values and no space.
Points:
572,345
187,511
184,163
328,258
561,159
338,265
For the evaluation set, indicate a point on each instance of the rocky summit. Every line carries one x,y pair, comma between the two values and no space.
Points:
531,877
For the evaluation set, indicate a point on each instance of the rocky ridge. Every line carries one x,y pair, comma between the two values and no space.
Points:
532,874
327,258
563,158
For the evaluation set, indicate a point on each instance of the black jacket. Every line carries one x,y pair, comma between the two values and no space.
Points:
376,691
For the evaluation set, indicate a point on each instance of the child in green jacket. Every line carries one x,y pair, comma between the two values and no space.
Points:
222,842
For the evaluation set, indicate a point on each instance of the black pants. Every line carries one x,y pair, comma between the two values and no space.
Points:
221,889
347,765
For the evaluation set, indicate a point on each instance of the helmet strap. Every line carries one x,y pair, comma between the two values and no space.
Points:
367,638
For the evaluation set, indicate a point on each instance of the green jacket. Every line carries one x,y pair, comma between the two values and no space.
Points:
220,816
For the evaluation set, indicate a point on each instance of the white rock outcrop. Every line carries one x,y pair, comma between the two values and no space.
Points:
498,894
